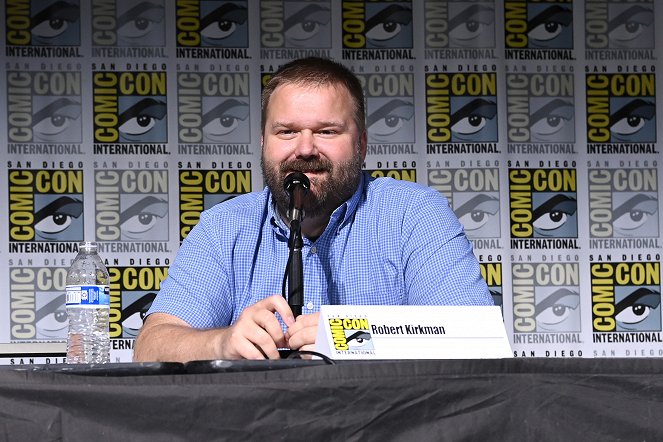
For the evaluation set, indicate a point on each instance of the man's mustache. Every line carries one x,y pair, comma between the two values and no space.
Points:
317,165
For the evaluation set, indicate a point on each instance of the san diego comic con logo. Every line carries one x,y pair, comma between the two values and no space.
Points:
540,109
42,23
199,190
377,30
626,297
461,108
132,290
389,110
619,24
623,204
45,205
473,194
44,108
131,204
213,108
459,24
122,23
295,25
621,112
351,335
212,23
538,25
37,302
546,297
129,107
543,206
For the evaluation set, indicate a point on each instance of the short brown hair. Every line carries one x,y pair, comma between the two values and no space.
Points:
318,72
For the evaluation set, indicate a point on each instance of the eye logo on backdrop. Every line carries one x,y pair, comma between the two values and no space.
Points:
546,299
44,112
45,206
626,300
621,113
377,30
540,113
474,195
202,189
543,206
129,112
293,29
128,29
43,28
461,112
212,29
536,30
131,205
619,26
37,311
623,207
213,109
459,29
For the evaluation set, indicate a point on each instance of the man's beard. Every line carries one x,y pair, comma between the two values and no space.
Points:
325,195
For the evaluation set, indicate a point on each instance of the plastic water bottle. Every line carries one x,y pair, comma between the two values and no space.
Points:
88,305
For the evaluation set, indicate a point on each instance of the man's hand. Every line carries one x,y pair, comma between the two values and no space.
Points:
301,335
257,334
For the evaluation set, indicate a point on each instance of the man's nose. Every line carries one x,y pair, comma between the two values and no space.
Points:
306,147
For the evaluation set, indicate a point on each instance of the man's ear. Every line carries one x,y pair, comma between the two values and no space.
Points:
363,141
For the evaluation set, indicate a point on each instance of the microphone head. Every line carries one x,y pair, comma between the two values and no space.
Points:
296,179
297,185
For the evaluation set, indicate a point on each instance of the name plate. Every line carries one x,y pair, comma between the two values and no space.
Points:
411,332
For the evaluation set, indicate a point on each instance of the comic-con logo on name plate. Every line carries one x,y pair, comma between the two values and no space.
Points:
130,107
626,296
45,205
212,23
623,203
295,24
621,109
43,23
44,107
351,334
459,24
538,25
128,24
213,108
37,311
546,297
619,25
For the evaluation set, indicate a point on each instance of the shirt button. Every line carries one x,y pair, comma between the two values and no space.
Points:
314,250
309,305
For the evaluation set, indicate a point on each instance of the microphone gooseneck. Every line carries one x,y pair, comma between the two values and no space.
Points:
297,185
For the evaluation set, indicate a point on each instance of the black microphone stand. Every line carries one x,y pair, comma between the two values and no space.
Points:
295,269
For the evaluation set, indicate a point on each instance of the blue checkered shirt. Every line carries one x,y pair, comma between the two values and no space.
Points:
393,242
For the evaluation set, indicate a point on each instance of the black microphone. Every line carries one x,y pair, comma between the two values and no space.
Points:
297,185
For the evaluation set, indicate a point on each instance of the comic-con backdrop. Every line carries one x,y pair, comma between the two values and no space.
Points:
121,120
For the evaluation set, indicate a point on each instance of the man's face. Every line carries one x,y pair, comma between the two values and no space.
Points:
311,129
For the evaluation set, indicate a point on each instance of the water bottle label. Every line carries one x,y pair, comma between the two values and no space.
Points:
88,295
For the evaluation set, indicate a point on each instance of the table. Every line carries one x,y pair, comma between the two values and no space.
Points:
477,400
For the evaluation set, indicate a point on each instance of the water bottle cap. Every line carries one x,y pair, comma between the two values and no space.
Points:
87,245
